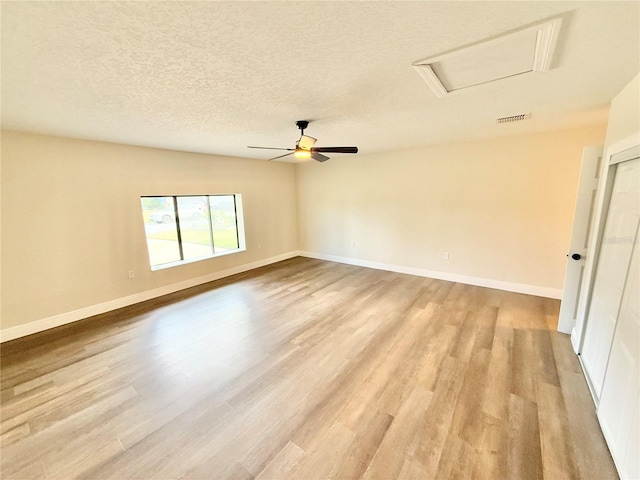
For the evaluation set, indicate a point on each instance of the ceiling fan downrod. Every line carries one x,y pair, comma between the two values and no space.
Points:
302,124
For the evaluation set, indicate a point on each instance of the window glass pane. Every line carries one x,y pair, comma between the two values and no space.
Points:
223,220
160,229
205,225
194,227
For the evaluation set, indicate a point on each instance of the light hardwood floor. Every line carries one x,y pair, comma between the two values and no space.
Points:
309,370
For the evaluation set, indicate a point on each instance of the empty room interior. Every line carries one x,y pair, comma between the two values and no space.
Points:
316,239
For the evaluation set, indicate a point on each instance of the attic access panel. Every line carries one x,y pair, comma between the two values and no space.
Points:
528,49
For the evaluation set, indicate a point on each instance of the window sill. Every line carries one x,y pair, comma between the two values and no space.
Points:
164,266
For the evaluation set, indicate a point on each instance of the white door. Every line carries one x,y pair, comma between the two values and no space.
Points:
620,229
582,220
619,408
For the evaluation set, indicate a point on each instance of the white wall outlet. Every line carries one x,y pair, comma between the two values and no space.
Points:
259,245
353,244
445,255
132,274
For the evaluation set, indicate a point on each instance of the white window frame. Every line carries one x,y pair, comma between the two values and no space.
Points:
242,245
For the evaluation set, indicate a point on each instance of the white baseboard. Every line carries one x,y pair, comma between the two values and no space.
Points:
75,315
82,313
451,277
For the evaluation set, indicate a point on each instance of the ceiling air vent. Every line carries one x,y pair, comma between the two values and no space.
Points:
514,118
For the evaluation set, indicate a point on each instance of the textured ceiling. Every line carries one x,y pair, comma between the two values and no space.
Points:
214,77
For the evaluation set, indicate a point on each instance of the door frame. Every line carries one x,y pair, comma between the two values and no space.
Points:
583,218
614,154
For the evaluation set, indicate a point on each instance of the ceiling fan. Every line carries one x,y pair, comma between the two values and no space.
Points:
305,149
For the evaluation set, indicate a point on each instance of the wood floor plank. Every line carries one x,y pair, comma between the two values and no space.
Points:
523,371
283,464
304,369
525,456
497,390
440,343
186,436
326,455
491,449
366,442
466,423
390,455
80,464
563,353
428,443
457,463
70,439
591,452
547,370
402,379
411,471
558,458
32,471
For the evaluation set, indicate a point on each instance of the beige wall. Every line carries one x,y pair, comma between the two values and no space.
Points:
624,115
72,225
502,208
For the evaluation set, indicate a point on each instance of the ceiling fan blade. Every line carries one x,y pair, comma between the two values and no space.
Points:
306,142
273,148
319,157
335,149
285,155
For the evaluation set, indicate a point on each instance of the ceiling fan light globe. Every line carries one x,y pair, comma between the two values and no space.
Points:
302,154
306,142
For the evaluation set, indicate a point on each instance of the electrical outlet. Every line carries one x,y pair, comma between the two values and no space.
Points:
132,274
353,244
445,255
259,245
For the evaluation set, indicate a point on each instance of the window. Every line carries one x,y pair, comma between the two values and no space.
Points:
181,229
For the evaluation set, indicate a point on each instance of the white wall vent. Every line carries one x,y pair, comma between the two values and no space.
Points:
528,49
514,118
